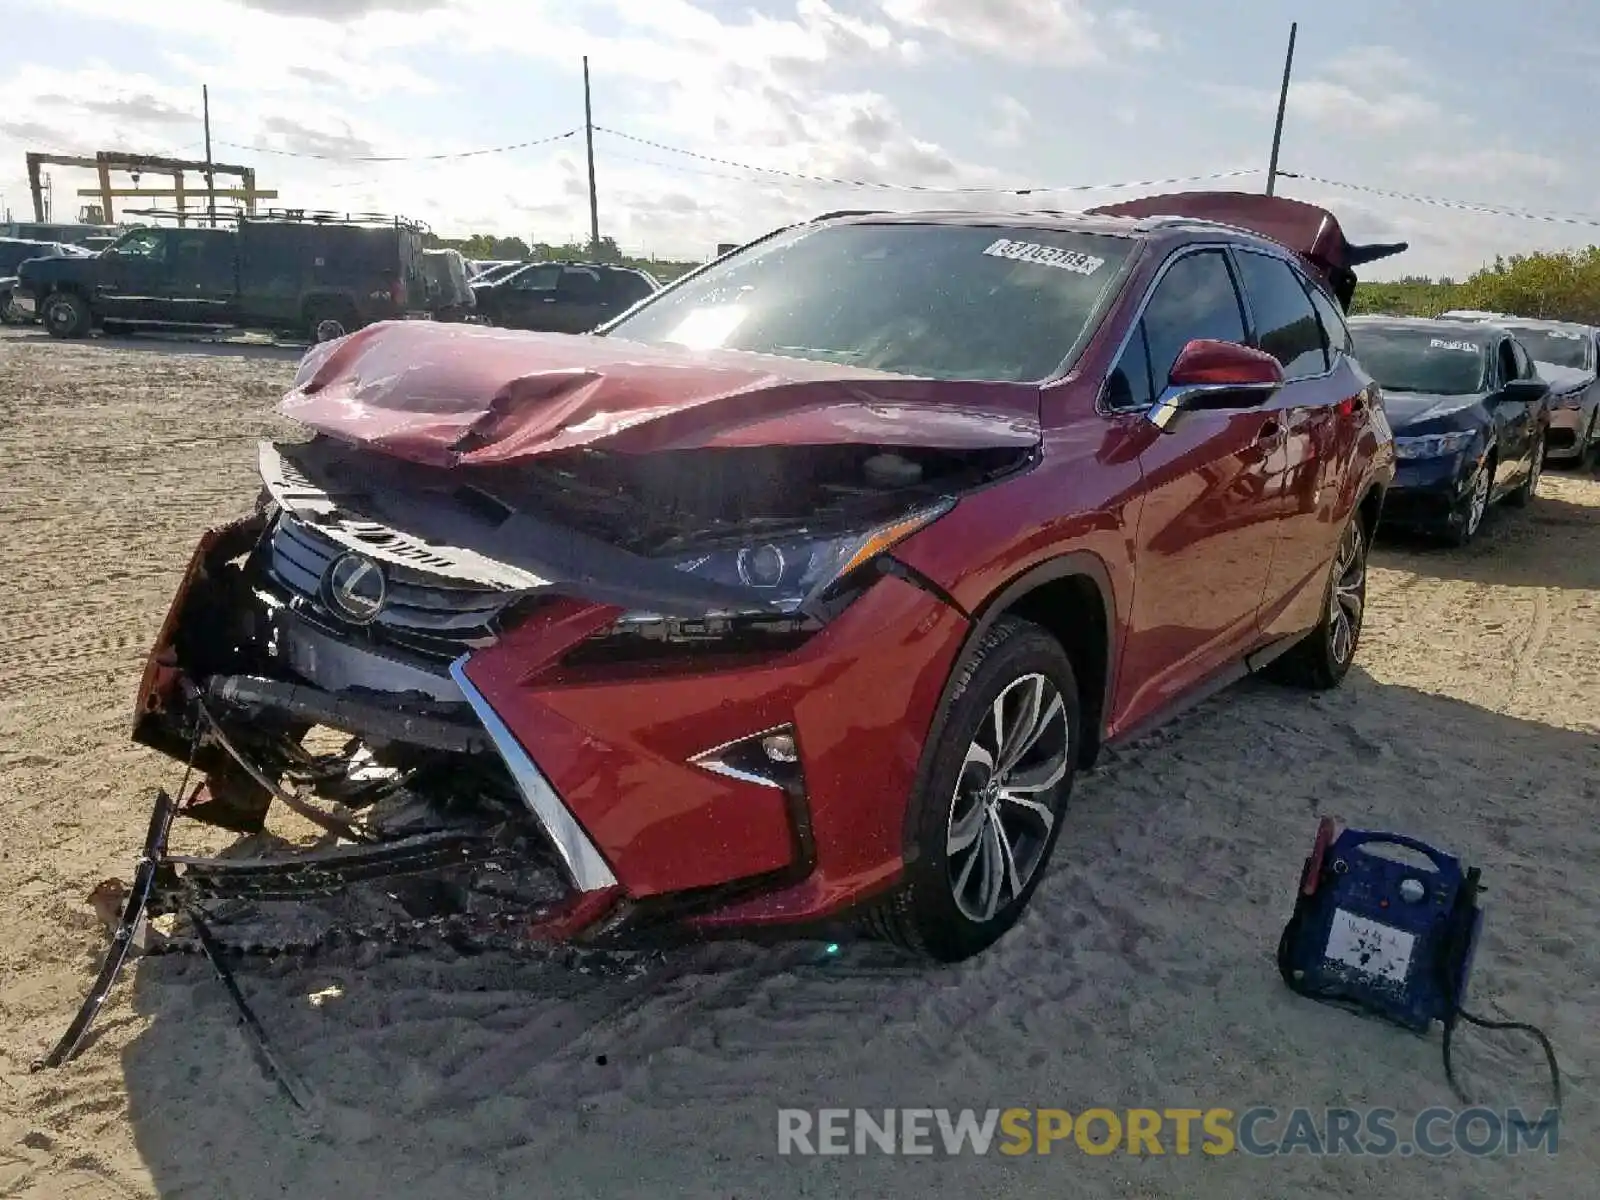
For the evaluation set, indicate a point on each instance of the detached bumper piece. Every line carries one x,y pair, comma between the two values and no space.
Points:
452,847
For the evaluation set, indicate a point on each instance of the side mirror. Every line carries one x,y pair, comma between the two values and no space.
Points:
1525,391
1211,375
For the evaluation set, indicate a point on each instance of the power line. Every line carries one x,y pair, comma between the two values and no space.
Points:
923,187
395,158
1439,202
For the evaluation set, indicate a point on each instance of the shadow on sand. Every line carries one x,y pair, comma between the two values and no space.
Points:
1142,977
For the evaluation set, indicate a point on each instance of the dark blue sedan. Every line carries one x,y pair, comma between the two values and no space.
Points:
1469,412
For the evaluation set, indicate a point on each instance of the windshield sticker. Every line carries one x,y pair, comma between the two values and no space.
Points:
1046,256
1441,344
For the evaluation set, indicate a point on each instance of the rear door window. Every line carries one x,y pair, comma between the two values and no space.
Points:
1287,326
542,278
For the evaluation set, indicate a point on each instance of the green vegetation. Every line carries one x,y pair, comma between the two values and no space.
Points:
1562,286
483,245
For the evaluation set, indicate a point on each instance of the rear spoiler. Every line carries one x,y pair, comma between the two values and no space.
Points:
1311,232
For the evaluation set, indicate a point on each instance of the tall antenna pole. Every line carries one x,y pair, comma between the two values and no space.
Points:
1283,103
588,133
211,176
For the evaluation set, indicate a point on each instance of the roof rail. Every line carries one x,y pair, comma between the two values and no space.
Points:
318,216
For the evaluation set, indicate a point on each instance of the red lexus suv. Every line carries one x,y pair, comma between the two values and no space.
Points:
793,598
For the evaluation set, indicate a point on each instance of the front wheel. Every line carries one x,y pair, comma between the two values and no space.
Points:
988,812
1469,518
10,314
1322,659
66,315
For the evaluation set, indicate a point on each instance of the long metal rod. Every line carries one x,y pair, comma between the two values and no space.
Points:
290,1083
1283,104
588,134
211,174
133,910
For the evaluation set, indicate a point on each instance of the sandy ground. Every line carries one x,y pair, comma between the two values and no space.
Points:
1143,976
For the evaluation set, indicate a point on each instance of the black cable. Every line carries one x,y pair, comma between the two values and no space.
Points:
1454,948
1519,1026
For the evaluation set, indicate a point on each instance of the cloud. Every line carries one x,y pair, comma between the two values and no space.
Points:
341,10
1491,164
1060,32
1012,120
281,133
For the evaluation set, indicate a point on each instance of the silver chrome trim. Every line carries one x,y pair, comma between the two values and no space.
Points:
583,860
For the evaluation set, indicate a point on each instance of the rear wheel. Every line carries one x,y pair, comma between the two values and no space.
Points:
1589,447
1520,497
987,815
1322,659
66,315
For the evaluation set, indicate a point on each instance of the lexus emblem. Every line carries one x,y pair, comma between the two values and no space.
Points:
354,587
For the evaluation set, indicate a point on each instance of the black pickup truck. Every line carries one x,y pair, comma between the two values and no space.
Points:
308,275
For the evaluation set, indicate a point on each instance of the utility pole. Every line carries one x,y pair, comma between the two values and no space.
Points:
588,133
1283,103
211,176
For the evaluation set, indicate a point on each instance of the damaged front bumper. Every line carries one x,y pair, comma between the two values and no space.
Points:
556,711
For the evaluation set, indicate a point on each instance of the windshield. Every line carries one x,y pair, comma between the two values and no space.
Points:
498,271
1451,363
935,301
1558,347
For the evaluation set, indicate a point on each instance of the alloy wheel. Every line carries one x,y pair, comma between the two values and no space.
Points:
329,328
1002,812
1479,503
1347,602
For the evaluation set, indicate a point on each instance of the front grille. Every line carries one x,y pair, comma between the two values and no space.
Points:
426,613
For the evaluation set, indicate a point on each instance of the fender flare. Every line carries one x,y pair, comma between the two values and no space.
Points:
981,620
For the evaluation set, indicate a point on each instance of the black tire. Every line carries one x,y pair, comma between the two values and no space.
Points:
1524,493
1587,450
1464,528
328,320
9,314
1322,658
931,915
66,315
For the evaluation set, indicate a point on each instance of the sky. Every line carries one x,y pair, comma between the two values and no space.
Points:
1462,102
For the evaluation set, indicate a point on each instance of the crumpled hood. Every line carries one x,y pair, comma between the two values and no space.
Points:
444,394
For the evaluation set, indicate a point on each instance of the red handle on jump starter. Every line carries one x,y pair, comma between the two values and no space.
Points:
1319,850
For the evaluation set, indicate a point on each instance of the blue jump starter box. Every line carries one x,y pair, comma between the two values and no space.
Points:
1392,934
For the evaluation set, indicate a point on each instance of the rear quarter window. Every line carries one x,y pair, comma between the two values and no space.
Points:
1287,327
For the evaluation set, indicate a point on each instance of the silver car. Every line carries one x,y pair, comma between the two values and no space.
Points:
1566,356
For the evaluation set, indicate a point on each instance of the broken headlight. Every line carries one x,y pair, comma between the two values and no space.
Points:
792,570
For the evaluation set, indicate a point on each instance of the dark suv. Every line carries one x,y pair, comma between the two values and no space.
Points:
562,297
799,594
309,273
